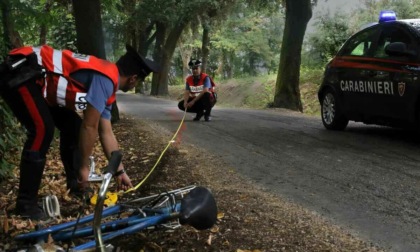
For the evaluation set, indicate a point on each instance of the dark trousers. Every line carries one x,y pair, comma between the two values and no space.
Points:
40,119
202,107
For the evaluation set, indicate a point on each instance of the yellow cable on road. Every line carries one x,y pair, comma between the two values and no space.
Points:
160,157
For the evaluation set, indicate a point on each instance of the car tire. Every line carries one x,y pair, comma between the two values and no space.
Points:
416,127
331,112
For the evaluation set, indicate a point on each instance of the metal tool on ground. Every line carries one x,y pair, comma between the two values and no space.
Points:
93,176
51,206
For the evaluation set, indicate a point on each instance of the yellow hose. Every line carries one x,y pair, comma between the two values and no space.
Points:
160,157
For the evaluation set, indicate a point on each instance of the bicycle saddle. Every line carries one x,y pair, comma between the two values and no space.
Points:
198,209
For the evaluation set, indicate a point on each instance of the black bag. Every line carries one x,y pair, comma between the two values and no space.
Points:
17,70
214,98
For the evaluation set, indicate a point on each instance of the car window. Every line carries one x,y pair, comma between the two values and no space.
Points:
390,35
360,44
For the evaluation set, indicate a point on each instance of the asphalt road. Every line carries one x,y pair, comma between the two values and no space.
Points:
365,179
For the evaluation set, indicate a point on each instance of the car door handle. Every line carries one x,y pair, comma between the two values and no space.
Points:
368,73
381,74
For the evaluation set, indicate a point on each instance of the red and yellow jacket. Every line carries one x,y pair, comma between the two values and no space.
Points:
58,87
196,89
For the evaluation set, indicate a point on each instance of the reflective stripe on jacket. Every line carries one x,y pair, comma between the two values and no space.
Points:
59,88
196,89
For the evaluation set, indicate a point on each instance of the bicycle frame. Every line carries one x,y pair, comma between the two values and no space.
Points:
43,233
59,232
111,169
150,221
197,208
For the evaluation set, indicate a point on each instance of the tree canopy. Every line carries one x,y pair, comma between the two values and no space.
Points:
234,38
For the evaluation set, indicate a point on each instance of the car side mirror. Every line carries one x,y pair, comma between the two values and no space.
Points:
399,49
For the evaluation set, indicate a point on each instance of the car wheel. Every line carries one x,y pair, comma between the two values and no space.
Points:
331,113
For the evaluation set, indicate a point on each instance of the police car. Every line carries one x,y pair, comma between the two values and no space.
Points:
375,76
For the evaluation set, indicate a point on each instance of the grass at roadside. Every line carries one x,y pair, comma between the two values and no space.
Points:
258,92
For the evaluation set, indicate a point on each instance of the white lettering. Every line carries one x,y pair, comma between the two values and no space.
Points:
386,87
81,57
196,89
361,86
80,101
370,87
380,87
373,87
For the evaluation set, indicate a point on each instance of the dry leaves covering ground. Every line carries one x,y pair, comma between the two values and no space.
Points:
250,219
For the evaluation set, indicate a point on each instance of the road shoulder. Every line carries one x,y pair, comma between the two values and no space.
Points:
251,218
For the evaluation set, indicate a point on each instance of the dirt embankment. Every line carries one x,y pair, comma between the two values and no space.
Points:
255,94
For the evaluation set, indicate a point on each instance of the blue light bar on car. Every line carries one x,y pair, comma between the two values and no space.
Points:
387,15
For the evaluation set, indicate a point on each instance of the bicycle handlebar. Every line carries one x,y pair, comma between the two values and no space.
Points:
114,162
110,170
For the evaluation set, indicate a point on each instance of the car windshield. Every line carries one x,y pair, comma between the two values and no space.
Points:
415,23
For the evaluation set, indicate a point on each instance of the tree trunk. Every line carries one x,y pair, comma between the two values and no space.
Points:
7,24
186,57
226,67
185,54
146,39
90,38
287,94
160,81
205,47
251,63
157,55
131,30
44,29
168,52
11,37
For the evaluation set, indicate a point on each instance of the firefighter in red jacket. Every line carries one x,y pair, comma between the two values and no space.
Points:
199,95
45,88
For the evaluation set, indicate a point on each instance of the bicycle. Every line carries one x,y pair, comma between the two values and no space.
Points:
191,205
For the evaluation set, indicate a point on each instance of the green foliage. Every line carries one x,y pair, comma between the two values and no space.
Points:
249,40
332,31
63,36
258,91
114,23
311,75
177,81
30,15
10,140
368,11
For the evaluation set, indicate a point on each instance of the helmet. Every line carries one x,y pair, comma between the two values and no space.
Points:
194,63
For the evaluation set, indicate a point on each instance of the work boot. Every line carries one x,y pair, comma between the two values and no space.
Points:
71,178
71,162
31,170
207,116
198,116
82,191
